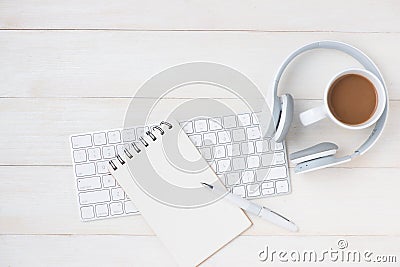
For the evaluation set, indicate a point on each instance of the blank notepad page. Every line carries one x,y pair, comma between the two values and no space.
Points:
174,203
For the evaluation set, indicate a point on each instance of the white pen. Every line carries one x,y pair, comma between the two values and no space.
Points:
256,209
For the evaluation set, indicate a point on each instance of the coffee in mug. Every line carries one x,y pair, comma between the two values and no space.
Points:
352,99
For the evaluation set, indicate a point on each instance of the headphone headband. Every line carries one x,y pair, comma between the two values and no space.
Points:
369,65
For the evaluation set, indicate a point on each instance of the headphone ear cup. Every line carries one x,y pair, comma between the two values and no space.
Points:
286,117
320,150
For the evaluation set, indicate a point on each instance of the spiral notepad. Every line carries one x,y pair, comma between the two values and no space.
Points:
190,234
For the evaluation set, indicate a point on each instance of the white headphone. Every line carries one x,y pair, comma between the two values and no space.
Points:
322,155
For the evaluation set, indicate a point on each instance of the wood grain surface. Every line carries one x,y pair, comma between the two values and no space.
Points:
73,66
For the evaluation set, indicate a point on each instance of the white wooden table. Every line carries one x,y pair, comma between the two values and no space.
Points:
72,66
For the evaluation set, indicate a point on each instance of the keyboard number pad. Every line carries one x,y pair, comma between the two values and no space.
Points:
251,165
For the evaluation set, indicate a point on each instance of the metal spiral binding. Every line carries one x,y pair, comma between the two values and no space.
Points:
143,141
152,136
129,155
120,159
166,123
158,128
112,165
137,149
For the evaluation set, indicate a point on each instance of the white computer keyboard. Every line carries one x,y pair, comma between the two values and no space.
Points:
248,164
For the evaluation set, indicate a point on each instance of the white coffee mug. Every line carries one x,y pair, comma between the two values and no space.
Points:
318,113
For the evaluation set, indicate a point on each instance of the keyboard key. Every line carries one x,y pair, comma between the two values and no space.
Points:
233,150
282,186
262,146
224,137
253,133
79,156
87,212
267,190
232,178
277,146
239,190
267,185
116,208
219,152
210,139
99,139
205,152
94,197
247,177
224,165
102,167
89,183
140,131
244,119
102,210
117,193
196,139
81,141
254,118
271,173
253,190
94,153
114,137
187,127
262,174
128,135
213,165
253,162
229,122
108,152
248,148
86,169
279,158
267,159
215,124
200,126
238,164
121,148
238,135
108,180
221,177
130,207
277,172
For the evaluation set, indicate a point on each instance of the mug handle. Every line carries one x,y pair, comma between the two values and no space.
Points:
313,115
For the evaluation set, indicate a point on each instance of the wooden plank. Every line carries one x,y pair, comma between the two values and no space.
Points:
334,201
83,251
38,130
310,15
117,63
148,251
